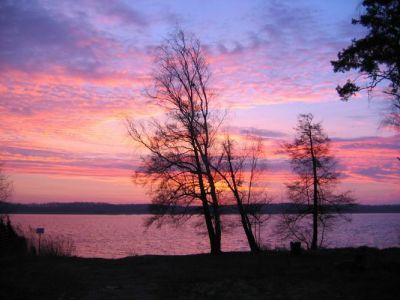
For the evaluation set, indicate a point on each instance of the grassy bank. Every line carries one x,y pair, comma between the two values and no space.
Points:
328,274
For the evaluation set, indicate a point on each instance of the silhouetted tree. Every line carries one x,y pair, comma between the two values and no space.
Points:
5,186
233,168
12,242
376,56
179,166
313,189
5,190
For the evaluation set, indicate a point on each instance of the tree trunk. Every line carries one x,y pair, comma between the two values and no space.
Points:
214,197
254,247
214,232
215,247
215,240
217,217
314,243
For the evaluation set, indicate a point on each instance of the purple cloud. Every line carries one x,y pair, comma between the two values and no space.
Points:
370,142
383,172
50,161
120,11
263,133
35,37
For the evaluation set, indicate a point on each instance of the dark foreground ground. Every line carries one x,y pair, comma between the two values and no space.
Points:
329,274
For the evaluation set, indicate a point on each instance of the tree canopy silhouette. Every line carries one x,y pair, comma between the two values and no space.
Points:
179,167
376,56
239,170
312,191
188,163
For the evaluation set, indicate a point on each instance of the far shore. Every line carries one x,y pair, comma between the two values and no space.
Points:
95,208
352,273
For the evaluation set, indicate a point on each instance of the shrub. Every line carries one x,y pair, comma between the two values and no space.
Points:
12,242
56,246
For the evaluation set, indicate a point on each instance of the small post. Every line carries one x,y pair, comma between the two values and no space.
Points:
39,232
295,248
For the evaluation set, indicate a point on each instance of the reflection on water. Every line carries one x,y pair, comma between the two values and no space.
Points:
112,236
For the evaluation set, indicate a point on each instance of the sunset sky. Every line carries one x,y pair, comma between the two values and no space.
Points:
71,72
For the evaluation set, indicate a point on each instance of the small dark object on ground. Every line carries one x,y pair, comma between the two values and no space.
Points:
295,248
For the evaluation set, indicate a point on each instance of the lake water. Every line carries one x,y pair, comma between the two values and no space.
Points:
114,236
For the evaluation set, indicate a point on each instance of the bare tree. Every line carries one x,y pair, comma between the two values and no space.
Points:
5,194
5,186
312,192
179,166
233,168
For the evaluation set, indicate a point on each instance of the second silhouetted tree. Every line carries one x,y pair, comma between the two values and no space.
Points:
313,188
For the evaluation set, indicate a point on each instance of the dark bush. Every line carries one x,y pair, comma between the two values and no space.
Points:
11,242
295,248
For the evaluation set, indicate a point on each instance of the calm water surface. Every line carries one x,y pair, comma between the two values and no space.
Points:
114,236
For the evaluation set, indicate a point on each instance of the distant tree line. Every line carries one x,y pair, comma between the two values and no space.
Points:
94,208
